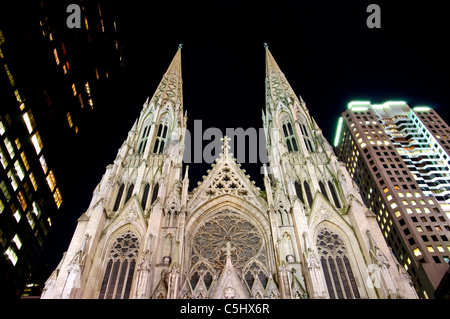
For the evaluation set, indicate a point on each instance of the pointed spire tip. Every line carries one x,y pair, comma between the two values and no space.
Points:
265,45
180,46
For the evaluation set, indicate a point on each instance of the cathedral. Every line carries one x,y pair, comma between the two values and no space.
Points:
308,235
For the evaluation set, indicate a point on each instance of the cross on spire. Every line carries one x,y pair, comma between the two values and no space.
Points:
228,250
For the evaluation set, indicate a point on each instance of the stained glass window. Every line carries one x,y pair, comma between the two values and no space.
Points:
119,197
336,266
120,267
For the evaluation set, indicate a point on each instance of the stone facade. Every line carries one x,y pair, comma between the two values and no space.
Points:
308,235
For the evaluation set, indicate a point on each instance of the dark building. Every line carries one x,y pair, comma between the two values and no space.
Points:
399,159
52,83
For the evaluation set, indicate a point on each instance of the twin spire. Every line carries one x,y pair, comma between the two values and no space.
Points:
170,87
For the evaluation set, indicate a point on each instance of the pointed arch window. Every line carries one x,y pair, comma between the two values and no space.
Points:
143,140
339,277
323,190
129,193
299,191
290,137
118,197
145,196
120,267
307,138
161,138
155,193
308,193
334,195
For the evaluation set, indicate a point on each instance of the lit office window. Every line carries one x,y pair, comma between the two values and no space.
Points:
2,128
37,143
31,220
25,161
17,241
3,159
74,89
43,164
13,180
19,170
51,181
11,255
5,191
57,197
10,77
22,200
55,53
69,119
33,181
36,209
10,148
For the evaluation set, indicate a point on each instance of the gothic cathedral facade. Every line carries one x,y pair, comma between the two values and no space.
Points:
308,235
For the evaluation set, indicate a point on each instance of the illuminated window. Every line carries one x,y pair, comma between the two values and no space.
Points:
86,23
51,181
10,77
13,180
10,148
31,220
57,197
22,200
413,202
25,161
385,190
440,248
2,207
17,141
2,128
430,249
69,119
1,54
397,214
400,194
55,53
426,210
417,252
408,194
36,210
3,159
5,191
19,170
405,202
11,255
418,211
419,229
389,197
43,164
17,241
37,143
88,89
33,181
74,89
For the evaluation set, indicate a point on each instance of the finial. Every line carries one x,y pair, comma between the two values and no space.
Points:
180,46
225,146
265,45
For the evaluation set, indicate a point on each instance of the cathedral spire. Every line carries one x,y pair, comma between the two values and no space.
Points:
277,86
170,88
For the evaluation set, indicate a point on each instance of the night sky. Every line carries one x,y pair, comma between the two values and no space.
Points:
328,54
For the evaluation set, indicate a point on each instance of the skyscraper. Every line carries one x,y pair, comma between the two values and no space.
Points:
51,84
308,235
399,159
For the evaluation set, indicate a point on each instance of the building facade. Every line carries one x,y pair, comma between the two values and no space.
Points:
399,159
308,235
52,83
